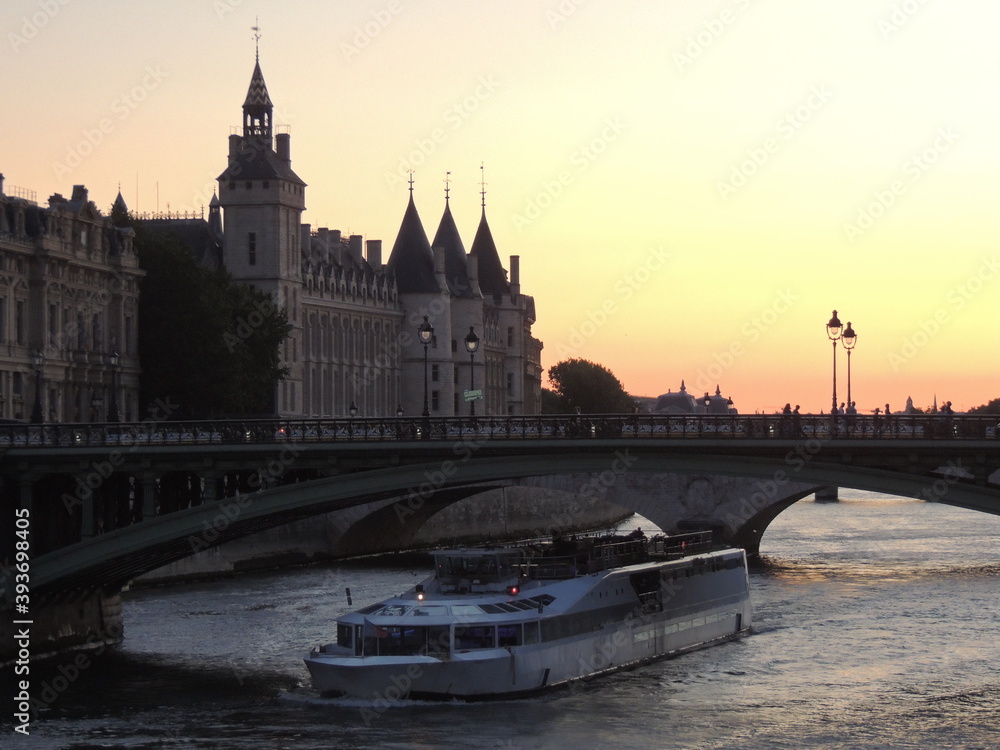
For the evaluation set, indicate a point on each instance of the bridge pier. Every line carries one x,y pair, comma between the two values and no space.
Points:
827,495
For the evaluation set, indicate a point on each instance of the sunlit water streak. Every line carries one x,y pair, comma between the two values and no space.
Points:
876,626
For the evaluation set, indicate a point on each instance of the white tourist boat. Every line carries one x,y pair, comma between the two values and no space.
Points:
504,621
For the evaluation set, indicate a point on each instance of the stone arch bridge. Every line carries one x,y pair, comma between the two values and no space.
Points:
110,502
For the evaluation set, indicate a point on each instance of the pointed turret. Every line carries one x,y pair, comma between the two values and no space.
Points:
252,156
215,219
257,108
455,266
492,276
119,211
411,260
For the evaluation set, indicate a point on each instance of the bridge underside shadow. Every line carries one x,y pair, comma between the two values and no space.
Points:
736,496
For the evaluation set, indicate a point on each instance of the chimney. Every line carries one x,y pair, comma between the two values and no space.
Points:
305,239
356,243
374,250
284,150
79,193
515,275
336,248
1,184
234,147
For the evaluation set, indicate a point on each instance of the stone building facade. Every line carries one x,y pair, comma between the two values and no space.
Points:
69,300
353,345
69,293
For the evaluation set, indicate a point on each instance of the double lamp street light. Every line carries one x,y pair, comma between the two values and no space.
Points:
425,334
835,331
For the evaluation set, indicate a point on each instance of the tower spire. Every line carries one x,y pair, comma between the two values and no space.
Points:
482,184
257,107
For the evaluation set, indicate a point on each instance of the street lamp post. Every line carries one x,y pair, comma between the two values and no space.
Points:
113,402
96,402
37,362
850,338
834,330
425,332
471,344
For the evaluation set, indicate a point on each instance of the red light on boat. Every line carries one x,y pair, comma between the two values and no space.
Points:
512,590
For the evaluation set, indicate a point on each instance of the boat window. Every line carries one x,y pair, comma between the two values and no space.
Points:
401,640
509,635
345,635
438,640
474,636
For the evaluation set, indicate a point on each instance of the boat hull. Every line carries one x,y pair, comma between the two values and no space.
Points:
520,670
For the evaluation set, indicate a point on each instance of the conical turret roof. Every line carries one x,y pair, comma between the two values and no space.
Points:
492,276
456,267
411,260
257,93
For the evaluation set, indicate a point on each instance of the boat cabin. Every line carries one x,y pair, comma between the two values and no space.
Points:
478,570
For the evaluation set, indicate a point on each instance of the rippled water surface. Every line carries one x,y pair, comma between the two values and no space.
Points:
876,625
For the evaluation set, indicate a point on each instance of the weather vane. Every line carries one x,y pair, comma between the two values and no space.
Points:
256,36
447,184
410,170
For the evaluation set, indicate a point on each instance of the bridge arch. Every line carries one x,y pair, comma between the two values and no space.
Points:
113,558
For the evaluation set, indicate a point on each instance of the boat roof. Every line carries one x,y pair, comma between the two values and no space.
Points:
556,597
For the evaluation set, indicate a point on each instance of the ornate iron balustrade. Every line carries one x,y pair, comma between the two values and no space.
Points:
545,427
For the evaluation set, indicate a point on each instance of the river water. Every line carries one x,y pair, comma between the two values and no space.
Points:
876,625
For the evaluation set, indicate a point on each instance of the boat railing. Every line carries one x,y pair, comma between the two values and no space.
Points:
672,547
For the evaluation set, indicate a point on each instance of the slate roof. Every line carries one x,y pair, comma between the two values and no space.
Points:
411,260
257,96
456,268
492,276
196,234
259,163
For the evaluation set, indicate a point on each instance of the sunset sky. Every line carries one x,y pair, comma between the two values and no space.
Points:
693,187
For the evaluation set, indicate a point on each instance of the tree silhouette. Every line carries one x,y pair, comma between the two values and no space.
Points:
206,343
590,386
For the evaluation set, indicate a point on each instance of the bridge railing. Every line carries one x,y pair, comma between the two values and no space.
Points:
544,427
